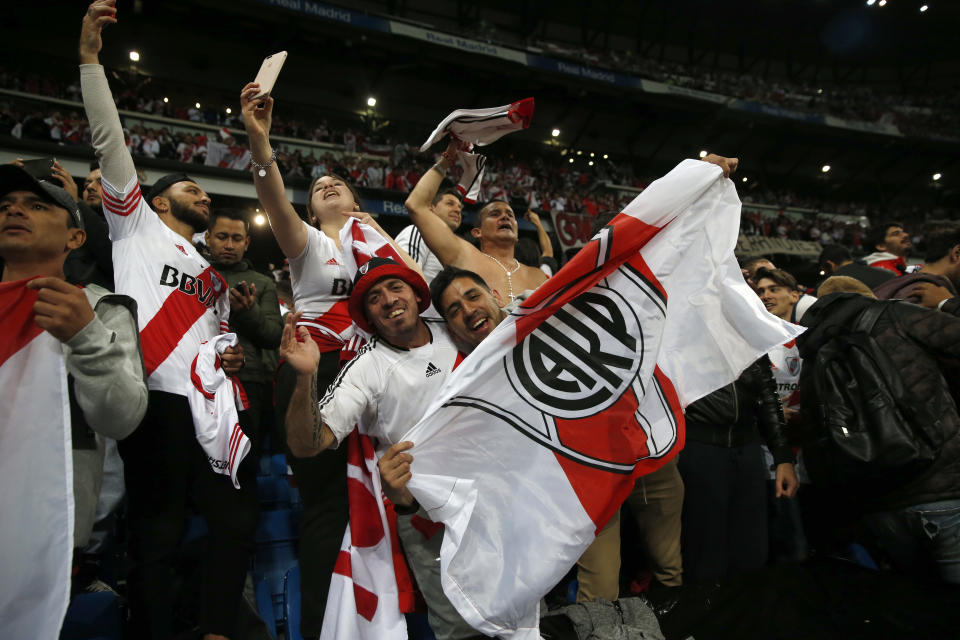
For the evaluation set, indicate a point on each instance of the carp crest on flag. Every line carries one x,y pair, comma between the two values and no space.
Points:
543,429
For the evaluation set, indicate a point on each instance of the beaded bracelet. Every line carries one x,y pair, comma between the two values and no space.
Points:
262,168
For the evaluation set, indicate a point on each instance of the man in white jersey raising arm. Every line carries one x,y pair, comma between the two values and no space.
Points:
182,301
495,229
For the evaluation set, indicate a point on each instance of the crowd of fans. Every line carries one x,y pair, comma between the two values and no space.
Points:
208,319
547,182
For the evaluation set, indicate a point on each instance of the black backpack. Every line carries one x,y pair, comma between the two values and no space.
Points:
863,433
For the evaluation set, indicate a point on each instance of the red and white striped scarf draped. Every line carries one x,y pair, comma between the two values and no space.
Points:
370,588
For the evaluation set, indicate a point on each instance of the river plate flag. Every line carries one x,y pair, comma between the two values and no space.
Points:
36,472
544,428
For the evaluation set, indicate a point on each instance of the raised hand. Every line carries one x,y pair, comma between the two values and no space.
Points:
99,14
729,165
452,151
257,112
65,179
298,348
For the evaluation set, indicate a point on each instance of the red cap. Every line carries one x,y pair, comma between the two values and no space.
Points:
375,270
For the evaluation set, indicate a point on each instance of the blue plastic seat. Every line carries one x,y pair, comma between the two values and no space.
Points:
274,493
280,525
265,606
278,465
264,465
291,604
275,552
92,616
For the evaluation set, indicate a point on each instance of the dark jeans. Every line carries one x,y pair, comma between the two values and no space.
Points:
165,469
724,529
322,480
923,540
788,542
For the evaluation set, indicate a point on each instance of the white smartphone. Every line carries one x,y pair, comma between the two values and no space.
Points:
269,70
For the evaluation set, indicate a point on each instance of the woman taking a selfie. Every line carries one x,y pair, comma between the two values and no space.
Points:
321,287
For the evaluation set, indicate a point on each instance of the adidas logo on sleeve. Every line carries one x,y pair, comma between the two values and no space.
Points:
432,369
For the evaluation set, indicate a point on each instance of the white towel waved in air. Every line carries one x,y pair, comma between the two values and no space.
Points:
480,127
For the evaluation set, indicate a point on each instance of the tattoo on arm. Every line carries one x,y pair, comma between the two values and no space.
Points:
315,412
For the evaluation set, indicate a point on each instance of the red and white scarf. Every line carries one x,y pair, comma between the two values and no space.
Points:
479,127
370,588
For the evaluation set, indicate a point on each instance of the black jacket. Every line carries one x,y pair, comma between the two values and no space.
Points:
741,412
924,346
870,276
92,263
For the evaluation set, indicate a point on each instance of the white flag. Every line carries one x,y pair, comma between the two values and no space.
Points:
36,473
543,429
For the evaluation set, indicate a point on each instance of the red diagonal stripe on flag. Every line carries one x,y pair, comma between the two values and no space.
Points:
621,245
365,599
366,525
16,317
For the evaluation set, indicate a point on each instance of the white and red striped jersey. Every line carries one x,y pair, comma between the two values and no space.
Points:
321,286
181,300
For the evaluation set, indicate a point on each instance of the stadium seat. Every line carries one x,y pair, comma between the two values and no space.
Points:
92,616
274,493
265,606
264,465
278,465
275,553
291,604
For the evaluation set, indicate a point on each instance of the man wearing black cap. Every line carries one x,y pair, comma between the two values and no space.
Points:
182,302
40,224
385,389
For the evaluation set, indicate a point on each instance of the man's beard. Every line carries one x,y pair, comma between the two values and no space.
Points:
184,213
